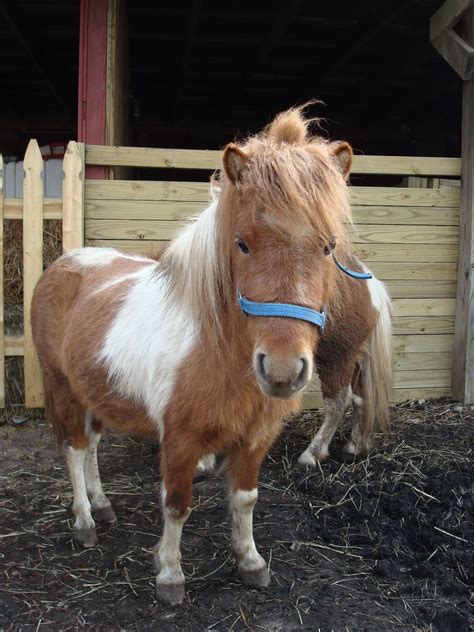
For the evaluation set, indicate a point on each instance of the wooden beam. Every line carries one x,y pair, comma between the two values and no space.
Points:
13,208
463,369
92,76
207,159
458,52
117,98
447,15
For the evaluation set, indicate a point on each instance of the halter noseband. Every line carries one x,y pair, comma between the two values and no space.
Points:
287,310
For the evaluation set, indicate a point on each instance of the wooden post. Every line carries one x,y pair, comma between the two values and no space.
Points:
2,324
92,77
32,266
73,197
459,53
463,370
116,110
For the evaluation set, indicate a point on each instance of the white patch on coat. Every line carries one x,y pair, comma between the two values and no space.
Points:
169,548
81,507
122,279
242,503
379,295
146,343
90,257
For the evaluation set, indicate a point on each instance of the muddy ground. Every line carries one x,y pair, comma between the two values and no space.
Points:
381,544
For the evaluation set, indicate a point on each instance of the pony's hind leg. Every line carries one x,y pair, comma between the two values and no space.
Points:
334,409
360,442
101,507
206,464
68,418
84,525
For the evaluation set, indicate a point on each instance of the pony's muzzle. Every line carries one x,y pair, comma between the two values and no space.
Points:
282,378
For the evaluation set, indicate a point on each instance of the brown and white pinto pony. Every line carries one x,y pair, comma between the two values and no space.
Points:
158,347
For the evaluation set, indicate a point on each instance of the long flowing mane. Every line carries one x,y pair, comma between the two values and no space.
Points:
297,179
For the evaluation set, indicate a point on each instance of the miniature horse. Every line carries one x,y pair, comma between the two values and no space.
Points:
209,346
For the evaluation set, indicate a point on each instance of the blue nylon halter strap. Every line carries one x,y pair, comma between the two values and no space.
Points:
352,273
252,308
287,310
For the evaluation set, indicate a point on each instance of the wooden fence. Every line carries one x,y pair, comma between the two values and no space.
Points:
408,235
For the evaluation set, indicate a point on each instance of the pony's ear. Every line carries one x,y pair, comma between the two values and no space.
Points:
234,160
342,152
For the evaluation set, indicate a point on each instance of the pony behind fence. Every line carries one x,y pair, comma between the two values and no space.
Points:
210,346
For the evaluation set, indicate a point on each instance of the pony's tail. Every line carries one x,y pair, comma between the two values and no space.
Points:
377,367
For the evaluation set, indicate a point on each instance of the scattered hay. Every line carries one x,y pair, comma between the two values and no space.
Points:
379,544
13,296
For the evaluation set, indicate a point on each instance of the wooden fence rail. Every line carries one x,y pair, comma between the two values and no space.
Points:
409,236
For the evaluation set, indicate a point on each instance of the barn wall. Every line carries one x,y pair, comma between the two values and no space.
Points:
408,235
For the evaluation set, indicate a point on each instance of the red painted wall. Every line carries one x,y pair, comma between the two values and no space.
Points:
92,77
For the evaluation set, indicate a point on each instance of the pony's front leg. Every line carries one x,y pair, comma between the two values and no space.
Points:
244,468
178,472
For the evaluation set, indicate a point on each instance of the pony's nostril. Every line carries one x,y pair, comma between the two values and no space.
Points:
302,377
261,367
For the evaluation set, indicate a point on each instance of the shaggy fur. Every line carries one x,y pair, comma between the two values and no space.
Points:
159,347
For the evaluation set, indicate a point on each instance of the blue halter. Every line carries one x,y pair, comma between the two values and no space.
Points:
251,308
287,310
352,273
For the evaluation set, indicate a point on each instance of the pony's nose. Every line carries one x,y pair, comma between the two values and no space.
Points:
282,378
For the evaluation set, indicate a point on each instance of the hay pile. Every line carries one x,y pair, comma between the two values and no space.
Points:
13,296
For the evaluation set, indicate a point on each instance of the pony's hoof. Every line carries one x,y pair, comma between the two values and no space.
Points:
256,579
87,537
348,457
171,594
306,459
104,514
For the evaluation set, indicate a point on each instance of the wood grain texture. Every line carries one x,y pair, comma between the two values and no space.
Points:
423,343
73,197
424,325
151,209
13,208
32,266
14,345
422,253
199,192
380,252
131,228
418,215
210,160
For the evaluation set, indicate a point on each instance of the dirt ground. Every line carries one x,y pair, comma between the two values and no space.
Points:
381,544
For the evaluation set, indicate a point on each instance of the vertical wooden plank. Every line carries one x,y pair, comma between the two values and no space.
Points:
32,266
463,367
73,197
117,100
2,325
92,77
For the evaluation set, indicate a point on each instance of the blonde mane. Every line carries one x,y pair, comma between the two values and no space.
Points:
298,180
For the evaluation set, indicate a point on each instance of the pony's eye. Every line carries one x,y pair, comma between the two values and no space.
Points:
242,246
329,247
